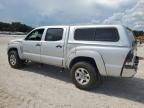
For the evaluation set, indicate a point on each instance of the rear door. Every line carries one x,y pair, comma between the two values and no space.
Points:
52,49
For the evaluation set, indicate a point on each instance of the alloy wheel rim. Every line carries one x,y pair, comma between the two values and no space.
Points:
82,76
12,59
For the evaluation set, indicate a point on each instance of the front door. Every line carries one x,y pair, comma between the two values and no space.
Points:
32,45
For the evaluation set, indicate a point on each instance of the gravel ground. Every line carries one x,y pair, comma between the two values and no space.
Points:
43,86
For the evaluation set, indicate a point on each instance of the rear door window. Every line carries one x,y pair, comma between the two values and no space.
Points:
54,34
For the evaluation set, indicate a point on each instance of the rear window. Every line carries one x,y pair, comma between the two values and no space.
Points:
97,34
131,35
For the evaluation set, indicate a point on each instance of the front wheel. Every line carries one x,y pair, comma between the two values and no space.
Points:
14,59
85,75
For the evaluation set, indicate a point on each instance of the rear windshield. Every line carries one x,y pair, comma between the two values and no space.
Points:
97,34
131,35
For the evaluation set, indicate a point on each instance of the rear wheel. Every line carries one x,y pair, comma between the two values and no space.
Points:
85,75
14,59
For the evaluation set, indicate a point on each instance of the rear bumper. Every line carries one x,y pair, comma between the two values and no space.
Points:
130,70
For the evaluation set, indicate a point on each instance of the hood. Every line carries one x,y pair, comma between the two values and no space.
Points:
17,40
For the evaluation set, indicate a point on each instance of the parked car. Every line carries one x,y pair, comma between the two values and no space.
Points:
88,51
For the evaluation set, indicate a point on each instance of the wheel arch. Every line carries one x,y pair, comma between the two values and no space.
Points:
10,48
82,58
89,56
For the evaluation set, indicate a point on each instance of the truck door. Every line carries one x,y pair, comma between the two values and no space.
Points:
32,45
52,50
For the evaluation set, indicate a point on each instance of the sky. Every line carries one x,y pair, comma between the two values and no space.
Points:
66,12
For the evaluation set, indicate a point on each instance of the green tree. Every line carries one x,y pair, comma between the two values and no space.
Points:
15,27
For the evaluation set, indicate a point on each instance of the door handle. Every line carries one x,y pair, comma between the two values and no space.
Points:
59,46
37,44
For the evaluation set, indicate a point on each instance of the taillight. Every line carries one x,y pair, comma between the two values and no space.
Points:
129,57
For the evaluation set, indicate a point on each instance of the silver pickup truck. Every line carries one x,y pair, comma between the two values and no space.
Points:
88,51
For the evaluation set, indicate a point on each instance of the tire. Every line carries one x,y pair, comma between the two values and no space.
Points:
14,60
89,79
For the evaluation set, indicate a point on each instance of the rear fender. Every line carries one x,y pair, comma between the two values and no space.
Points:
91,54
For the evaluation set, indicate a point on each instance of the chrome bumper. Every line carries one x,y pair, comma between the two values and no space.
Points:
130,70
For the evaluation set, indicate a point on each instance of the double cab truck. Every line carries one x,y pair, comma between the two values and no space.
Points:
87,51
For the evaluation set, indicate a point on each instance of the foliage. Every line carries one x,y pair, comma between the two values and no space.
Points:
15,27
141,38
138,33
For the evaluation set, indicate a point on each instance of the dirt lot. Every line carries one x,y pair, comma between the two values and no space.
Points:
37,86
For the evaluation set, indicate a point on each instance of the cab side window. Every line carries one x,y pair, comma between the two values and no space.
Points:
36,35
54,34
